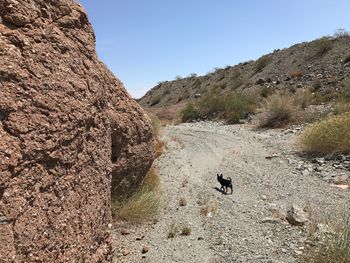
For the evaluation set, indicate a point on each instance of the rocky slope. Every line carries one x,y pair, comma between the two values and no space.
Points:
320,64
70,135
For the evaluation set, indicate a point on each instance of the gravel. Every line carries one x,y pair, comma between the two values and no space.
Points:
248,226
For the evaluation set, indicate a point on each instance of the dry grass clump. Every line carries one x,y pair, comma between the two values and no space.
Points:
296,74
209,208
172,230
281,109
327,136
322,45
341,108
160,146
336,248
278,110
186,231
144,204
262,62
182,202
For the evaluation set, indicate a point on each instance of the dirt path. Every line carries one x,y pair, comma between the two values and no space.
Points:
247,226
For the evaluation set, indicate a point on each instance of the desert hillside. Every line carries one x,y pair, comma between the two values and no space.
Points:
321,64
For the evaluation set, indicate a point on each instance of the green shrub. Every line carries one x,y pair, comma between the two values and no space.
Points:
262,62
266,91
322,45
327,136
211,103
155,100
237,106
189,113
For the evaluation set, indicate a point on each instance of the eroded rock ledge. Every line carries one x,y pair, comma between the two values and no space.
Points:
69,135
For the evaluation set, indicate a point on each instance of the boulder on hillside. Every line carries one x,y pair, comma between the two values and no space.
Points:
70,135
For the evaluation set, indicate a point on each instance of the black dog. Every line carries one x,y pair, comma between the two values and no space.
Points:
225,183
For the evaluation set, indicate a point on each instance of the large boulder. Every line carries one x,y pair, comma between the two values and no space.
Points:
70,136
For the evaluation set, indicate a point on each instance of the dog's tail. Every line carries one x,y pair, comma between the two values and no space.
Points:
230,179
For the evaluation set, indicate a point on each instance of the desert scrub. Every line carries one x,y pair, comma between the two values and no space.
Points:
238,106
322,45
262,62
346,59
277,111
331,135
156,100
296,74
266,91
341,108
281,109
344,94
143,205
335,249
190,113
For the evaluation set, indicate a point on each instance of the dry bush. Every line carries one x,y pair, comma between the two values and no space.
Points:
327,136
160,147
341,108
182,202
156,125
186,231
172,230
209,208
303,98
336,248
262,62
322,45
296,74
144,204
278,110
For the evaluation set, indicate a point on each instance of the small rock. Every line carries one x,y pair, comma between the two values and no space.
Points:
296,216
124,232
200,238
145,249
126,252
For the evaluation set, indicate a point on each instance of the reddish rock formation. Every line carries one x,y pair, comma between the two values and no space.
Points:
67,127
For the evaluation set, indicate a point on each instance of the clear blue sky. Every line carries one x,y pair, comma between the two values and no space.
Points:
147,41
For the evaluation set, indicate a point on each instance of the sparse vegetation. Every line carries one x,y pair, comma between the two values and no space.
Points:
232,107
144,204
296,74
281,109
278,110
208,208
189,113
322,45
172,230
266,91
341,108
186,231
262,62
328,136
155,100
344,94
182,202
336,247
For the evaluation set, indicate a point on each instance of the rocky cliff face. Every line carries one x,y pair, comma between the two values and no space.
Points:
69,136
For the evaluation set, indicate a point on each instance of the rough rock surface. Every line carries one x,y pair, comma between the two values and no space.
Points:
67,130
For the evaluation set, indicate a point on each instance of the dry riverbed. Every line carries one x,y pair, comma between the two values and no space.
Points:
248,226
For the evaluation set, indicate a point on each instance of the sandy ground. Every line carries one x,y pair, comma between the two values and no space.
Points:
247,226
